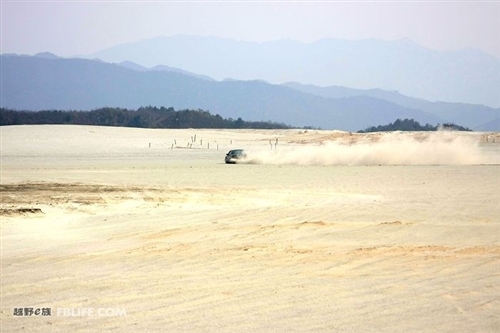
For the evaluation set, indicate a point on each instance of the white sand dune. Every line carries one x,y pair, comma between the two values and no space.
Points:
318,231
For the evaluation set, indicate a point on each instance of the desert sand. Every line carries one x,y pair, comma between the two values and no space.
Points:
316,231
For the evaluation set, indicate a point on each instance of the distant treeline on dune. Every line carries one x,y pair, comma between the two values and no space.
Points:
413,125
154,117
144,117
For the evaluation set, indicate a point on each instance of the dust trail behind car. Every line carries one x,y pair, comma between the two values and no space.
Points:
414,148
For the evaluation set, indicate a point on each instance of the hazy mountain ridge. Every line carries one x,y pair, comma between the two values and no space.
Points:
467,75
36,83
476,116
137,67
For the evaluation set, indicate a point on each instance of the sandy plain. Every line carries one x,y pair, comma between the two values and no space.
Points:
319,231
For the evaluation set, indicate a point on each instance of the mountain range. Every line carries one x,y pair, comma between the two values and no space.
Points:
465,75
46,81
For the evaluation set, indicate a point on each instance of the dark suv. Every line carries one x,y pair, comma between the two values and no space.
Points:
234,155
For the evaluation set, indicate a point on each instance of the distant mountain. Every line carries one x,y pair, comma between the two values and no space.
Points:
46,55
35,83
475,116
134,66
491,126
137,67
181,71
466,76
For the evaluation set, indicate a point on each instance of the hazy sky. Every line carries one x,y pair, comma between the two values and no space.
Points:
80,27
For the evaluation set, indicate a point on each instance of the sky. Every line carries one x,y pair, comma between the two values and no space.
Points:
69,28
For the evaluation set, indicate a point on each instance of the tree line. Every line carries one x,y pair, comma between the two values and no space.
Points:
144,117
413,125
154,117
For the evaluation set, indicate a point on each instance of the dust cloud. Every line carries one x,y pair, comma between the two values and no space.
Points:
386,150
